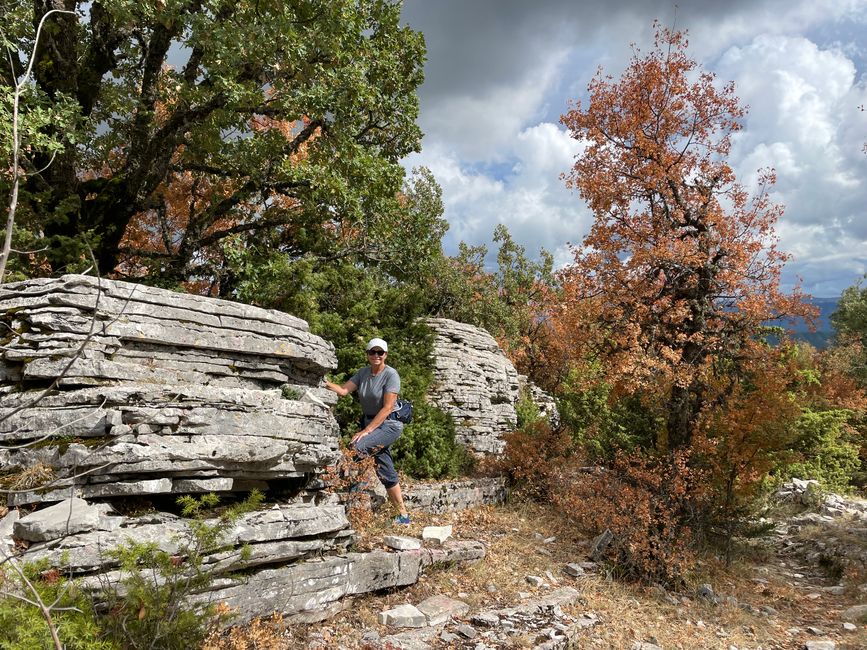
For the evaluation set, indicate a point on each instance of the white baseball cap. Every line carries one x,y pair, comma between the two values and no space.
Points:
377,343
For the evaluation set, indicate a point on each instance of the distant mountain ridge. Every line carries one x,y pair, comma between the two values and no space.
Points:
821,338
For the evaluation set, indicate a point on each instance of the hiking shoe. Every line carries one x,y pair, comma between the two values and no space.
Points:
402,520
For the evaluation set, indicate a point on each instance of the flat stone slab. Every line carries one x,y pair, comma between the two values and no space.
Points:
438,609
855,614
436,535
401,543
65,518
403,616
574,570
820,645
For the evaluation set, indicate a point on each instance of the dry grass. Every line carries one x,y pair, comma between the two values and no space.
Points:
628,612
29,478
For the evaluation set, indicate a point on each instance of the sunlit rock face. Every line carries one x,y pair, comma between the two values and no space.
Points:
157,392
476,384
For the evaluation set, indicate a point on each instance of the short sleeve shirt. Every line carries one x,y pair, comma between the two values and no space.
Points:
372,388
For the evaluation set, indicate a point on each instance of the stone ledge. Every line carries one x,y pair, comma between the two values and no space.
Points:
438,498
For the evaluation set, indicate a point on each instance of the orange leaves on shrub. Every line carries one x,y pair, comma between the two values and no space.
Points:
648,504
533,456
351,478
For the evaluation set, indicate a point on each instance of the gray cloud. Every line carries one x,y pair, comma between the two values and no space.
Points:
500,72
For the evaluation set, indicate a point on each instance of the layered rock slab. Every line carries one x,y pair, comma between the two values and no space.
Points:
474,383
49,317
157,392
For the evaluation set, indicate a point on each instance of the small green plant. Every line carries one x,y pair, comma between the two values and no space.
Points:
290,392
151,608
526,410
24,624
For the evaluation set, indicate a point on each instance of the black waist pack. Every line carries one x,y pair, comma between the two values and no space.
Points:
402,412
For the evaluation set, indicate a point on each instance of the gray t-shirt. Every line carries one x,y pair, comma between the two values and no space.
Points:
372,389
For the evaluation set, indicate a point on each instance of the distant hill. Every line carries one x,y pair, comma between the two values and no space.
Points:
824,330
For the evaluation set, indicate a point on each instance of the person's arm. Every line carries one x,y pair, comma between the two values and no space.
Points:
344,390
388,400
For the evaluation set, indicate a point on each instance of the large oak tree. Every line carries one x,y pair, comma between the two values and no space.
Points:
277,122
680,269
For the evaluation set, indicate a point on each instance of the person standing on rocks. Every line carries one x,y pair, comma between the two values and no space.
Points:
378,386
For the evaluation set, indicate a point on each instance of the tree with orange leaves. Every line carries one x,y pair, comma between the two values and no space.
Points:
680,268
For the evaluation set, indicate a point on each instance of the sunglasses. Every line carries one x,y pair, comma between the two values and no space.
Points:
378,353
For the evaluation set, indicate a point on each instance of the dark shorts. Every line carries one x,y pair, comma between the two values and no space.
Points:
378,443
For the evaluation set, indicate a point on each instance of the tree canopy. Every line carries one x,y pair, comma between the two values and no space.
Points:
188,123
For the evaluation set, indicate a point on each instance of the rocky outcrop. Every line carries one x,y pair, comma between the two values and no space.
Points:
157,392
113,391
474,383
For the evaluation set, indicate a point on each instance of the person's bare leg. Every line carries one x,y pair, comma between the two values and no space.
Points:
396,497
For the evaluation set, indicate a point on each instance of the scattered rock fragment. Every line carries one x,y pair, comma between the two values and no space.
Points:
536,581
436,535
855,613
573,569
849,627
488,619
820,645
65,518
403,616
466,631
401,543
438,609
600,543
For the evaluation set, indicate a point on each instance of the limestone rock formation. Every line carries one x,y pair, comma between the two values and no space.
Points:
476,384
111,391
156,391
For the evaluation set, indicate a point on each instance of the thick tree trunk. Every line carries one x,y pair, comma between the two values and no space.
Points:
680,417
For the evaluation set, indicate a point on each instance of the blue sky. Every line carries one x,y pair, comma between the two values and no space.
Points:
501,72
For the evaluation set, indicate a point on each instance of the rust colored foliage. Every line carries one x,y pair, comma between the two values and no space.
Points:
532,458
680,268
350,478
192,213
648,504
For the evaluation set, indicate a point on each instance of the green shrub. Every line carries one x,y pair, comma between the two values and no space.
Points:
150,606
22,625
600,427
526,410
427,447
824,450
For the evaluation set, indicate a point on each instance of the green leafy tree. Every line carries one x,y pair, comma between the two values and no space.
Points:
281,123
850,322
